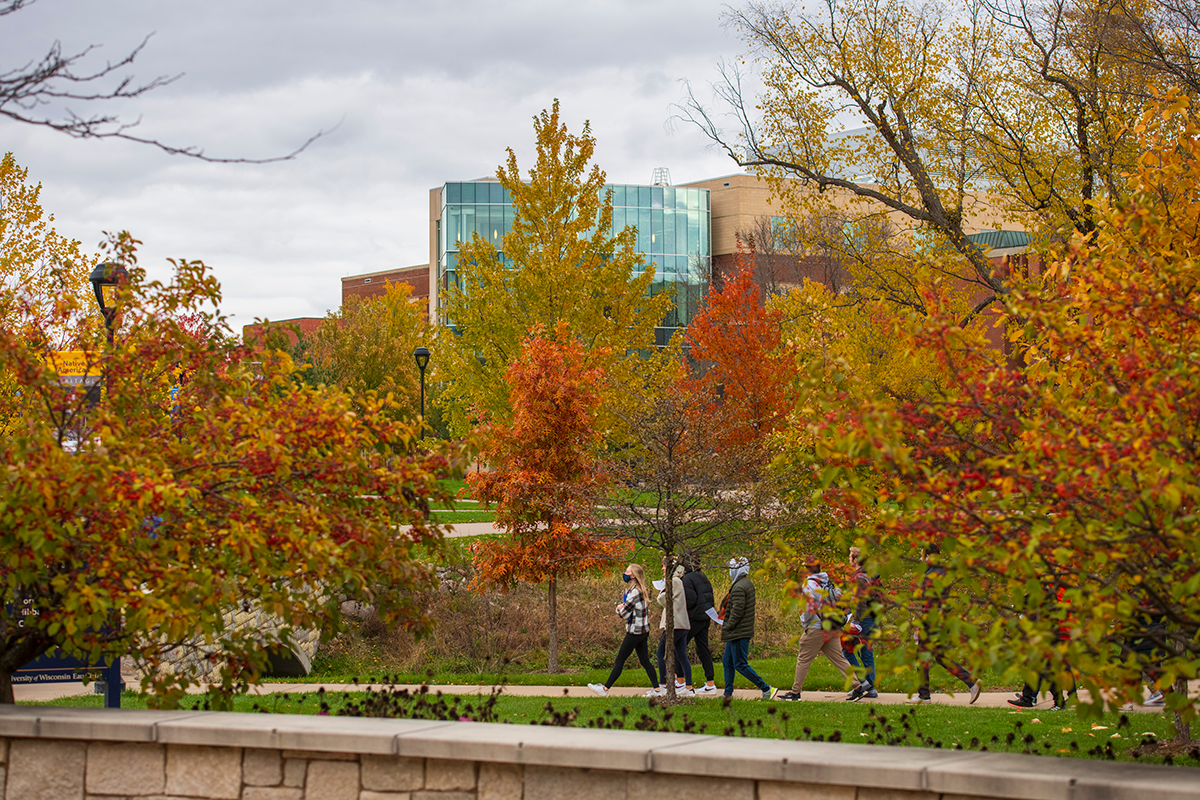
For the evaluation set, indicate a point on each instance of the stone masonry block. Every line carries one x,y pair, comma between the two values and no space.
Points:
317,755
41,769
262,767
773,790
369,795
272,793
3,777
501,781
3,751
392,773
553,783
865,793
688,787
209,772
331,780
294,770
126,768
444,775
427,795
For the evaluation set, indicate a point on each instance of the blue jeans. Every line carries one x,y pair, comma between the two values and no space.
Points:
868,656
737,659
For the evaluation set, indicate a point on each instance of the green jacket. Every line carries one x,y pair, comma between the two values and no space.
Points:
739,611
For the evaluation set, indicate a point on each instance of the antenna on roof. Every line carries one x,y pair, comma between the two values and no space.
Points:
662,177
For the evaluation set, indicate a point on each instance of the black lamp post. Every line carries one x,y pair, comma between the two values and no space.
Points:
105,279
421,354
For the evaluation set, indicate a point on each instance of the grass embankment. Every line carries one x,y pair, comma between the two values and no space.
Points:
1062,733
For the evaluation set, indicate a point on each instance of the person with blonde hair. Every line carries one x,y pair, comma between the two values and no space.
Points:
634,608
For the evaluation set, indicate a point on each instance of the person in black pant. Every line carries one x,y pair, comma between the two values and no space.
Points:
634,608
699,594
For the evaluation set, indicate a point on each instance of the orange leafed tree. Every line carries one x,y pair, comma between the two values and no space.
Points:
743,360
544,476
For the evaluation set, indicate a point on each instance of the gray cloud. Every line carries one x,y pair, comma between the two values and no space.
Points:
424,93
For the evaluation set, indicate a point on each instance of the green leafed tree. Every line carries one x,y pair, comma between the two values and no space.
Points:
200,484
561,261
367,346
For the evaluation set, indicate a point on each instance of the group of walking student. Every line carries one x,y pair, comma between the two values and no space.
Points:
844,641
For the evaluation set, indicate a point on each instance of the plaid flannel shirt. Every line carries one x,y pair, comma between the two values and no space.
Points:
637,612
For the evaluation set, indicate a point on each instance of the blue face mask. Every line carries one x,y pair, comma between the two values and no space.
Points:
625,576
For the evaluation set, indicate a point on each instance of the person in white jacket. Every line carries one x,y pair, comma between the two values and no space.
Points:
683,669
820,596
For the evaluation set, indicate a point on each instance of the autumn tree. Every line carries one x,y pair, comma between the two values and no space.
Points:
367,345
744,365
1064,488
561,261
543,473
934,115
166,510
685,488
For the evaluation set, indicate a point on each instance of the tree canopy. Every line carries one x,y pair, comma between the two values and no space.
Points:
1062,486
561,261
200,483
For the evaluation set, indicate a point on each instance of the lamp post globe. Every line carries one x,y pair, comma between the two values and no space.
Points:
105,279
421,356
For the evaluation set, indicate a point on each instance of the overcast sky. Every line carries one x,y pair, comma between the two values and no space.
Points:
420,93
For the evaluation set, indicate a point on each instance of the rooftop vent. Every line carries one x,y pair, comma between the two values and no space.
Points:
662,177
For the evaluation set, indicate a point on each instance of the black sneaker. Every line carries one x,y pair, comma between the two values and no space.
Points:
1022,702
858,691
790,696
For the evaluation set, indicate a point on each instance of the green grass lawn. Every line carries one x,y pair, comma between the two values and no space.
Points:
1041,732
460,514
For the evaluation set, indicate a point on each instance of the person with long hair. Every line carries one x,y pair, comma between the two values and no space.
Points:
635,610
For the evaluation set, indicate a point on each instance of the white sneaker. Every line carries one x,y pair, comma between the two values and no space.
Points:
656,692
599,689
683,691
976,688
1155,700
707,690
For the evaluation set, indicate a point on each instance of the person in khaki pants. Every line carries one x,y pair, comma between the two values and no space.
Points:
819,594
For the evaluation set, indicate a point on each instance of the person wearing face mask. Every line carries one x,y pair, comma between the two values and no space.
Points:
635,610
737,626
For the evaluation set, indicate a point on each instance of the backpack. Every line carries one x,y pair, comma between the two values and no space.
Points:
836,618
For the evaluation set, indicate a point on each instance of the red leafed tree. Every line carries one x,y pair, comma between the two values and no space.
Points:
544,476
742,360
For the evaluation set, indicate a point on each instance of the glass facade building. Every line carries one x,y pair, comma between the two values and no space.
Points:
673,232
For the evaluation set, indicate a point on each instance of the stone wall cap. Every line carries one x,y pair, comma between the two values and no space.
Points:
807,762
542,745
55,722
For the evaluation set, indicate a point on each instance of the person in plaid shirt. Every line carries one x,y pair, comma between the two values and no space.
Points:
634,609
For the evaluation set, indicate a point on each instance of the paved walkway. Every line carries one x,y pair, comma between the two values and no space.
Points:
25,693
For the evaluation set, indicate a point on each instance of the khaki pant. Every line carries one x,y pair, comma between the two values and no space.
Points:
813,643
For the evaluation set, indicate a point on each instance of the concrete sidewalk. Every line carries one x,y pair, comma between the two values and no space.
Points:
986,699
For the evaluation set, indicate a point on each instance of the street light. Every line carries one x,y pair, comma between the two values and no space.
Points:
105,279
421,354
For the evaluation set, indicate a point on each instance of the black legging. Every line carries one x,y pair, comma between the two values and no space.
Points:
683,669
633,642
699,635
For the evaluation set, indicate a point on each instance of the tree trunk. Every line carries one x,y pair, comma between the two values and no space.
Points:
6,690
1183,730
668,678
553,645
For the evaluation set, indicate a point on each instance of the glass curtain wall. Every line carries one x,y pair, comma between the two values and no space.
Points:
673,232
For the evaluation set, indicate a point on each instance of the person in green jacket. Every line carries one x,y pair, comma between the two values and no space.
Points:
737,626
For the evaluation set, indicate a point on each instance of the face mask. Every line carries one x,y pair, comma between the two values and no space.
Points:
625,576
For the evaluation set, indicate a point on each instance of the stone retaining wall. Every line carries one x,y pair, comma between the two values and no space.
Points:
95,754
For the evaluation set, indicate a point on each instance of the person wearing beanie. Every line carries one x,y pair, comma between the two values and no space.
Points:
737,627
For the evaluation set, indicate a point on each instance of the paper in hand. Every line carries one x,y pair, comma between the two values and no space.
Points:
712,614
660,585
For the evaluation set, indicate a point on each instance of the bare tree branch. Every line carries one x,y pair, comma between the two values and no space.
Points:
27,91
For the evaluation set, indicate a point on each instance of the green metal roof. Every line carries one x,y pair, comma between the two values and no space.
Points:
999,240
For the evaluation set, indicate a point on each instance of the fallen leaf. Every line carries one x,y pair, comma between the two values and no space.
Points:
1067,730
1035,721
1096,727
1115,736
